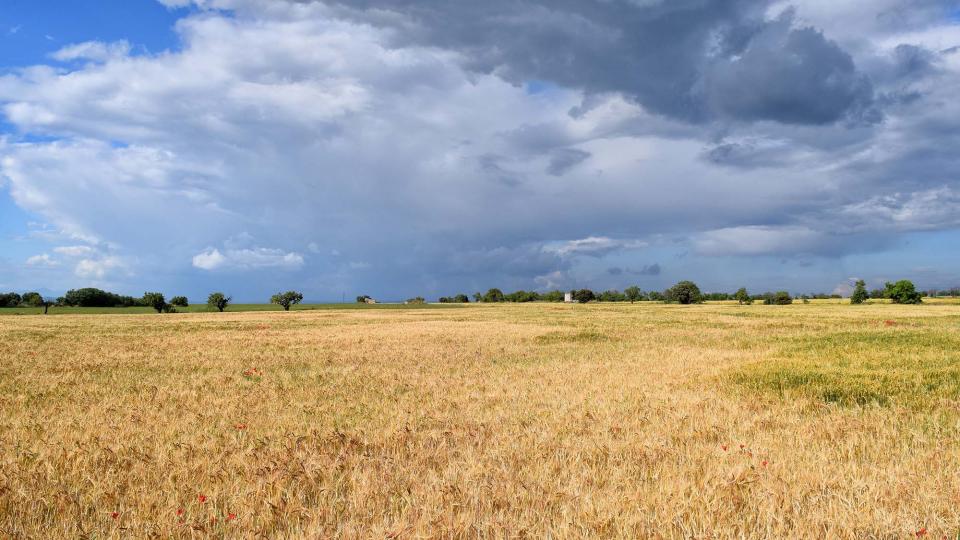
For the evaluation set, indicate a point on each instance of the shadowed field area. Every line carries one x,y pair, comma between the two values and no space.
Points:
539,420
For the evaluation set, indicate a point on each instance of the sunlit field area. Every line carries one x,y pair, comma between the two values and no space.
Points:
820,420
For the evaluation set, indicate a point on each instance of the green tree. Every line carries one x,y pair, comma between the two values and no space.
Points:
155,300
684,292
461,299
903,292
287,299
10,299
493,295
180,301
477,297
218,301
583,296
779,298
742,296
860,293
32,299
552,296
633,293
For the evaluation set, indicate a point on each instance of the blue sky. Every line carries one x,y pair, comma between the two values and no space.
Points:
254,145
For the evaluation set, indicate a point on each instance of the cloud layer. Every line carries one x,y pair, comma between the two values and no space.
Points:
434,145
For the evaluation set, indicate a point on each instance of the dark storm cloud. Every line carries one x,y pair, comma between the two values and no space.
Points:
693,60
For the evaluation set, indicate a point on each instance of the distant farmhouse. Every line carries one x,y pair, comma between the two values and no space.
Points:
568,297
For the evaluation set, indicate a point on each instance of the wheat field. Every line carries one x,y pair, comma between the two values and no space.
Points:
506,421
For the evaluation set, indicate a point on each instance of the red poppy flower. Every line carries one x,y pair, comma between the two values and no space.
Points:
231,517
764,463
202,498
180,511
115,515
724,447
921,532
240,426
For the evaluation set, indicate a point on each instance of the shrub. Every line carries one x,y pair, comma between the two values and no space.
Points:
218,301
180,301
860,294
612,296
902,292
416,301
684,292
287,299
633,293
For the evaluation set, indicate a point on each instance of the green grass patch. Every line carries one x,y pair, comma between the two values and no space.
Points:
915,368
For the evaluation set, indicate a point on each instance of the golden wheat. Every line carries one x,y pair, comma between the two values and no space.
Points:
556,421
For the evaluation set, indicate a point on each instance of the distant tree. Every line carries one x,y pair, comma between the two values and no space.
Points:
477,297
902,292
31,299
493,295
363,299
612,296
552,296
655,296
91,297
779,298
155,300
522,296
218,301
684,292
179,301
46,304
287,299
805,298
583,296
418,300
860,294
461,299
742,296
10,299
633,293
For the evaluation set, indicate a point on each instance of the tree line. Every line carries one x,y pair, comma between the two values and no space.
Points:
684,292
687,292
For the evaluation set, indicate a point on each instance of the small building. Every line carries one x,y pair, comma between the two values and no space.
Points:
568,297
369,300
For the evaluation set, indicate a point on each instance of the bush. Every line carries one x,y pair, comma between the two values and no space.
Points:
902,292
685,292
860,294
779,298
179,301
218,301
287,299
583,296
416,301
552,296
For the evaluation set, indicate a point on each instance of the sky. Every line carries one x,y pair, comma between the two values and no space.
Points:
400,148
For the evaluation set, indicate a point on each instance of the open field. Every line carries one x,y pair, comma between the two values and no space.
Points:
544,420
